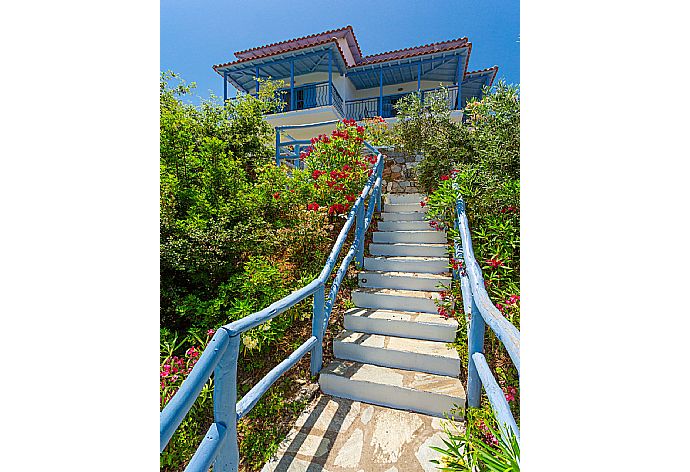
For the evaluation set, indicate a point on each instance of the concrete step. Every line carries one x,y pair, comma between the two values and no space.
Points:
396,198
403,324
429,265
400,207
404,280
404,226
431,236
429,394
402,216
391,299
433,357
408,249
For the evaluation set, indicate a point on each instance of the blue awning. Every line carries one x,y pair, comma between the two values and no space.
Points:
438,67
474,82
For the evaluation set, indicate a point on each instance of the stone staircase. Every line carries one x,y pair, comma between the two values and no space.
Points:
394,349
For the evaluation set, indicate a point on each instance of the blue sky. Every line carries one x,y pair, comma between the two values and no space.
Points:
197,34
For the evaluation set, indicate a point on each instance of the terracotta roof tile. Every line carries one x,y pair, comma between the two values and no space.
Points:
414,51
304,41
273,53
488,69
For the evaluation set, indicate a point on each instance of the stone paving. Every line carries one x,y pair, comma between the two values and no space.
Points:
339,435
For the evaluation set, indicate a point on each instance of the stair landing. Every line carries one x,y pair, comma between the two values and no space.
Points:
336,435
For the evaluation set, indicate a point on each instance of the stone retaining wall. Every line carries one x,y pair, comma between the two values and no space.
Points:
398,172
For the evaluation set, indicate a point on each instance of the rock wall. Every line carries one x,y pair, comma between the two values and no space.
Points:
398,172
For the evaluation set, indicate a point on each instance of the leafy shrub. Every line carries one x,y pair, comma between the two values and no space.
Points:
481,447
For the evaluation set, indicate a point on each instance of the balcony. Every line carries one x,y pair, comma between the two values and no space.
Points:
384,106
317,95
310,96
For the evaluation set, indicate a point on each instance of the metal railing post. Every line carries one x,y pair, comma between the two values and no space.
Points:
317,329
379,196
278,147
475,343
359,234
224,406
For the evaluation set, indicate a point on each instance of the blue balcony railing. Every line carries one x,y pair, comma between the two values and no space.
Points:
318,94
481,311
385,106
219,448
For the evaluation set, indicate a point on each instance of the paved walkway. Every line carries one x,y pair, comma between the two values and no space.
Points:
339,435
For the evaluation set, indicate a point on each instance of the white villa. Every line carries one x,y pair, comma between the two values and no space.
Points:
330,79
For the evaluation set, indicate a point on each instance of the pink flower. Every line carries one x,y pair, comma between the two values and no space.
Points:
210,332
510,393
513,299
192,352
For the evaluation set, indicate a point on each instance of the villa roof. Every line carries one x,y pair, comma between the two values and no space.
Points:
414,51
438,59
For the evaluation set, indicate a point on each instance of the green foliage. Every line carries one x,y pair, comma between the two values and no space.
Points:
487,146
481,447
427,128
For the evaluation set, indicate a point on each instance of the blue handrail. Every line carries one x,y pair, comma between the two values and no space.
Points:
219,447
481,312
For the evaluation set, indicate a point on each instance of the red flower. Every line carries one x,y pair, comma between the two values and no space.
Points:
360,129
444,177
350,198
276,195
313,206
513,299
317,173
337,208
422,203
494,262
346,168
510,393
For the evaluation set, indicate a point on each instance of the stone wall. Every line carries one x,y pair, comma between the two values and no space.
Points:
398,172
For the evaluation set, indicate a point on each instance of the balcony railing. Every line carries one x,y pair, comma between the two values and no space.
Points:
385,106
317,95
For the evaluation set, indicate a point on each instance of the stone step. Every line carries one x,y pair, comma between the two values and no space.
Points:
396,198
433,357
404,280
402,216
404,226
403,324
431,236
391,299
430,394
429,265
408,249
402,207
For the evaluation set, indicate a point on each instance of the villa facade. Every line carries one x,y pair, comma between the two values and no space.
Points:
330,79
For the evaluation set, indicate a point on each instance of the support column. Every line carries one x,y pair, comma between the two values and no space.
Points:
257,81
225,86
419,77
292,84
330,76
458,102
381,92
